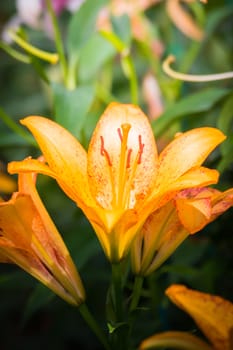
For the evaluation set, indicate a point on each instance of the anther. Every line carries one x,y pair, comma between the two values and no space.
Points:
103,151
141,146
128,158
120,134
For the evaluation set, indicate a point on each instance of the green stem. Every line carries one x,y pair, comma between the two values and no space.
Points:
87,316
104,94
137,288
43,55
58,40
117,290
132,76
119,337
14,53
126,61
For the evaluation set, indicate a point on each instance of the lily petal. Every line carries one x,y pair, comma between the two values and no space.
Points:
161,234
185,152
64,155
213,314
194,214
196,177
174,340
221,202
31,264
29,165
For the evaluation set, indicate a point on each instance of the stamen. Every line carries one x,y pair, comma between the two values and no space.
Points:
103,151
128,158
120,134
140,151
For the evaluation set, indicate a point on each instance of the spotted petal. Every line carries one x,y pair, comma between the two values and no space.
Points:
213,314
187,151
65,156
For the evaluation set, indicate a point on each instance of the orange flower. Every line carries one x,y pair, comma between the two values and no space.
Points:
174,340
29,239
183,20
121,179
212,314
170,225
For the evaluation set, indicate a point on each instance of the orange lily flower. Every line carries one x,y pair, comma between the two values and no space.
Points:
121,179
212,314
29,238
166,228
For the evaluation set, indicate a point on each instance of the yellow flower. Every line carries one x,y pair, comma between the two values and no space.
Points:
166,228
29,238
120,180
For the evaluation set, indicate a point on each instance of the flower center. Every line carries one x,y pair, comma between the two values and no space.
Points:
122,172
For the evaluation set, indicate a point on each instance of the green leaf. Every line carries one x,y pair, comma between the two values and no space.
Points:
91,59
71,107
82,25
197,102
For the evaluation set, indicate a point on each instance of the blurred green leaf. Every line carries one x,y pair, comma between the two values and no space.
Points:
197,102
225,120
36,63
82,242
225,123
13,140
82,25
227,158
40,297
216,16
92,59
15,127
122,28
71,107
